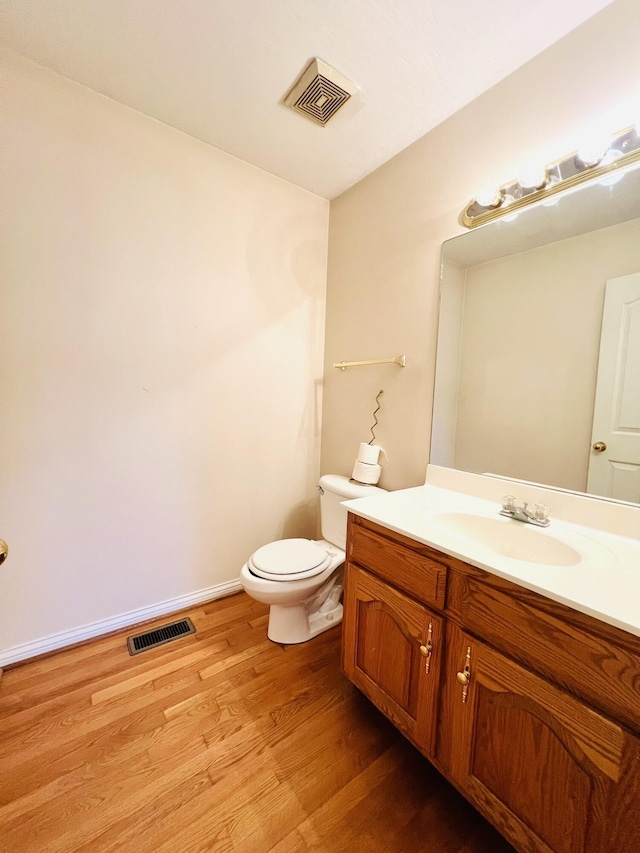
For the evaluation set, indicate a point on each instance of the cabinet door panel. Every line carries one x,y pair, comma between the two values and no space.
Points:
385,654
504,771
384,631
543,765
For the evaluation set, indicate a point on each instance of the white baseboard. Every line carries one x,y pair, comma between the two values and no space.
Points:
105,626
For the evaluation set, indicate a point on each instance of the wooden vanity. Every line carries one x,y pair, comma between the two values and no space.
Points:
530,708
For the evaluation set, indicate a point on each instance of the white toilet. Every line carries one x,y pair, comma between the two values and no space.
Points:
301,579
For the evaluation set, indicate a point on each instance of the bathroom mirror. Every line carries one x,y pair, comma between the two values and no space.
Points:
521,305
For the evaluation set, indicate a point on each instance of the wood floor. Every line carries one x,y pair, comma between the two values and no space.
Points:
221,741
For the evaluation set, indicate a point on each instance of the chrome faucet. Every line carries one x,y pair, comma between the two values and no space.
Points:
539,516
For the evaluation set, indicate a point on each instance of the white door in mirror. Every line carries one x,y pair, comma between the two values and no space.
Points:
614,464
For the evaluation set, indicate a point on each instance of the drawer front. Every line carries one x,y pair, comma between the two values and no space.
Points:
405,569
603,674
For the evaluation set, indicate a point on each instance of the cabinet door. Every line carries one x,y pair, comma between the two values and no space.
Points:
392,649
550,773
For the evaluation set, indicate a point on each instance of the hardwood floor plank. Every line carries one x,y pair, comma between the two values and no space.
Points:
323,756
248,686
117,803
330,817
91,804
62,727
101,654
234,659
223,741
254,825
291,843
371,824
205,820
118,836
148,676
52,695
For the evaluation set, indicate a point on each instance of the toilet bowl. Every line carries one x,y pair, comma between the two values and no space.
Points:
301,579
290,593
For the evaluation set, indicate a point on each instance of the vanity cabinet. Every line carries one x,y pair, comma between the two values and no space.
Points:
531,709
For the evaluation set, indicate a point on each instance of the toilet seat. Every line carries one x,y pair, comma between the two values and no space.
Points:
289,560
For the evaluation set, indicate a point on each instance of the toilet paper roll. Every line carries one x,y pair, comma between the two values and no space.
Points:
369,453
364,473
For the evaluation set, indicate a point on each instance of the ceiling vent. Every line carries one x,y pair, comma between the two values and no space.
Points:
320,92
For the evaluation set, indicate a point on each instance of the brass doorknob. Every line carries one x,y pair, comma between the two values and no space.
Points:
4,551
599,446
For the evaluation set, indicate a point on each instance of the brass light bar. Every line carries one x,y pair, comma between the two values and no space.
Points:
568,173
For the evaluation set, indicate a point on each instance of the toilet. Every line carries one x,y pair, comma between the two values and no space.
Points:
301,580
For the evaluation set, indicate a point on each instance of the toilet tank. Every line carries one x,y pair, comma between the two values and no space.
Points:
334,488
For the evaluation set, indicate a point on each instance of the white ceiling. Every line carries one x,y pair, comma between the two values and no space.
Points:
219,69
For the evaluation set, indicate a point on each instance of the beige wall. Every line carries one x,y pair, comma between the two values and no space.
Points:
529,356
386,232
162,339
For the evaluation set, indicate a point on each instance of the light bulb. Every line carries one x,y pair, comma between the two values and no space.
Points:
593,149
489,197
532,177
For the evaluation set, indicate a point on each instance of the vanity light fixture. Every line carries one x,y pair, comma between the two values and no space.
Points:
603,160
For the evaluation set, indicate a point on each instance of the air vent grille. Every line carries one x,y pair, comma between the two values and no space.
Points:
320,92
321,99
158,636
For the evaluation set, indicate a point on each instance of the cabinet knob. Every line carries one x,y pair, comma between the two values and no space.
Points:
463,678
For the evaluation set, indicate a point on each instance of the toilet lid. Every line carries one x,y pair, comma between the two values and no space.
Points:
289,559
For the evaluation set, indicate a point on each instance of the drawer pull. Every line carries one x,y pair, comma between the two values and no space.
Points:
464,677
427,651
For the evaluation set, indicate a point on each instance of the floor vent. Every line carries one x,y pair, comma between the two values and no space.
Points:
151,639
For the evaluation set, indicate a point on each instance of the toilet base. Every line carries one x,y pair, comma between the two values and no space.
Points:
294,624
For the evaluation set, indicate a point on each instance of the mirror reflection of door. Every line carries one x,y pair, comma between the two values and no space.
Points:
614,470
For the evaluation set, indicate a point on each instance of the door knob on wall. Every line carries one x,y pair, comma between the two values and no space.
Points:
599,446
4,551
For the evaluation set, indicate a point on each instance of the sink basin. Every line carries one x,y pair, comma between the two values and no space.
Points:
507,538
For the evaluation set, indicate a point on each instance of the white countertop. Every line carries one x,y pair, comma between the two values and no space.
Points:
604,582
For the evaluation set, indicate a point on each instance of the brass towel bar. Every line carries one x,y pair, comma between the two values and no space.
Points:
400,360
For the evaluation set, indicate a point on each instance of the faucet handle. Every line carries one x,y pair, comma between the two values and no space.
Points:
541,512
508,503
